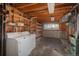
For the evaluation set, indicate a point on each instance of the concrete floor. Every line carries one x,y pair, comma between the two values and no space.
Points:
50,47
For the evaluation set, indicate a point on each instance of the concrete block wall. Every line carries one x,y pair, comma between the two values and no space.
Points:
54,34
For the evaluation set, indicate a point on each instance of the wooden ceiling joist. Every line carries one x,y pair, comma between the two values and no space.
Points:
16,5
36,9
64,5
56,11
40,10
45,8
63,8
25,6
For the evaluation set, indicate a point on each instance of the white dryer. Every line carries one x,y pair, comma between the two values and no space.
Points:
21,45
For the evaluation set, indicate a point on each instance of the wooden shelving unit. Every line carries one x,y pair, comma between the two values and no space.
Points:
21,23
39,31
71,25
36,28
15,17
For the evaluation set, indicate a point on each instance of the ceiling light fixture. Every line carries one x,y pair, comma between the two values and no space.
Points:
51,7
52,19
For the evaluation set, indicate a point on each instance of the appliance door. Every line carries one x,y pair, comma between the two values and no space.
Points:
24,46
11,47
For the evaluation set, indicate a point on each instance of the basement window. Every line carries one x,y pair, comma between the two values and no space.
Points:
52,26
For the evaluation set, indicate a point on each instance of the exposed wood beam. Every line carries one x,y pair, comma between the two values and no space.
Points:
27,5
58,16
75,6
39,11
57,4
41,14
69,10
63,14
59,12
36,9
64,5
18,4
46,10
63,8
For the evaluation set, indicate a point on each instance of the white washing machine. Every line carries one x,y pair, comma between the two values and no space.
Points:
20,45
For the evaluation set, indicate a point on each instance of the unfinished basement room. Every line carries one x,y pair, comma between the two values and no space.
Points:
39,29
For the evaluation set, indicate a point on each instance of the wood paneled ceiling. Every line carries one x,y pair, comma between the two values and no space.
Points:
40,10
